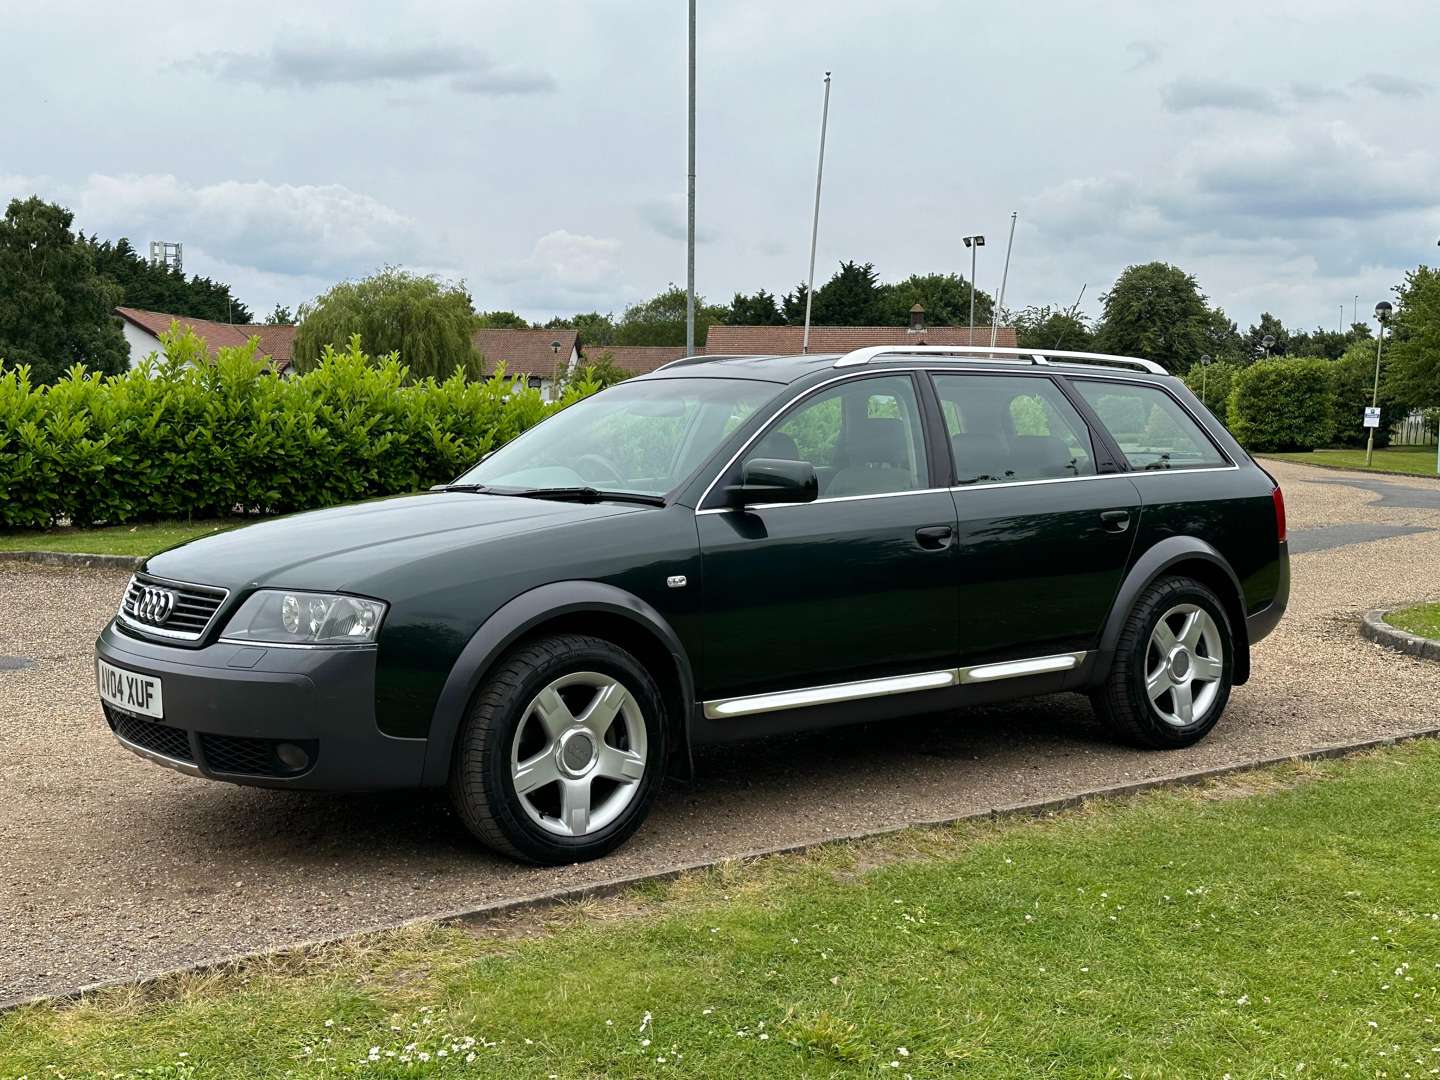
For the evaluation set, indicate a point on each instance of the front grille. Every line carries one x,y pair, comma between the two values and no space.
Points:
157,738
252,757
170,609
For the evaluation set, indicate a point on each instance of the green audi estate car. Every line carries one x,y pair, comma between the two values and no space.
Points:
729,547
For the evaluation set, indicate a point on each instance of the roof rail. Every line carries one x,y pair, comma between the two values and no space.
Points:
685,361
981,353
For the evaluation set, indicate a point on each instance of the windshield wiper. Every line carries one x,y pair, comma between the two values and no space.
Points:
474,489
586,494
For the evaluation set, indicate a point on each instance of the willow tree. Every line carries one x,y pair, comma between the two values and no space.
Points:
426,320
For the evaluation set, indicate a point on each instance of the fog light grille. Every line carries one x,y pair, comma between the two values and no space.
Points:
253,757
157,738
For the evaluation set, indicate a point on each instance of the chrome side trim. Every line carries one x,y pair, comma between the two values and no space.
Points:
186,767
761,507
960,489
1012,669
722,708
833,693
1133,474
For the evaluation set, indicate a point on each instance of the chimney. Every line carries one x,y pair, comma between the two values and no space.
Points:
917,319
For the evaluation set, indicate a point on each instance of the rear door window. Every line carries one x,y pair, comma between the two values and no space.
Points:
1009,428
1152,429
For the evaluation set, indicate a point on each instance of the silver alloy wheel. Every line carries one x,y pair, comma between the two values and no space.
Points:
582,728
1184,664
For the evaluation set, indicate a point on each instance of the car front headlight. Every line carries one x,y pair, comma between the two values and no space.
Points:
286,617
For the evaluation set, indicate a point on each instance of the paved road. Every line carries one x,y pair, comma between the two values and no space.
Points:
112,868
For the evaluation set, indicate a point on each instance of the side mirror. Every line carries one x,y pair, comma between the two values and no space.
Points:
774,480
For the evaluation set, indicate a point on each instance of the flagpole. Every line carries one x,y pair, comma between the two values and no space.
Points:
1004,276
815,220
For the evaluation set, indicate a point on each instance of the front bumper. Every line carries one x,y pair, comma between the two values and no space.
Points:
229,707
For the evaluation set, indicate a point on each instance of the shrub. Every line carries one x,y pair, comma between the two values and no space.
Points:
1352,378
184,436
1212,383
1283,404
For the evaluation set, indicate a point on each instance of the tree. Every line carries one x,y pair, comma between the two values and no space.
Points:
945,298
762,309
1155,311
793,305
500,320
602,371
1049,328
281,316
54,307
661,320
593,327
850,298
1412,356
160,288
1268,326
1223,342
426,320
1329,344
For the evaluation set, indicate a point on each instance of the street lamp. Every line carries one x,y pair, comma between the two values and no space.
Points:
1382,314
1263,349
974,243
1204,370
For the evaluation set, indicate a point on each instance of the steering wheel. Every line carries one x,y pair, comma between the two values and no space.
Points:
596,459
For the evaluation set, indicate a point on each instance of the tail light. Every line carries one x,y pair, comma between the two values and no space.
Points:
1278,497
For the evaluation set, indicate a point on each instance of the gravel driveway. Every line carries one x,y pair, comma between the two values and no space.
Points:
112,868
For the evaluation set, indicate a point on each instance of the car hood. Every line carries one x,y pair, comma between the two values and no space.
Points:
344,545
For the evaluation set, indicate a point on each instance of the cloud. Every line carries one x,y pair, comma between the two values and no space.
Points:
1392,85
1186,95
1306,92
564,271
466,70
1313,195
307,229
668,215
1144,52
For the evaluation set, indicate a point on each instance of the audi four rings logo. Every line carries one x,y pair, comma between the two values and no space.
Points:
154,605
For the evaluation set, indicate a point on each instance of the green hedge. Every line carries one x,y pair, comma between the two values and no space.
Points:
182,436
1212,384
1352,377
1283,404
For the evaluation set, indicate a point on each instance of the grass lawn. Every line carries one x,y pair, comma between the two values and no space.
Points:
1422,619
1276,924
1411,460
114,539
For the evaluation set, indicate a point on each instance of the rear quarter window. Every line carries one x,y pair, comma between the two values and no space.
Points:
1152,429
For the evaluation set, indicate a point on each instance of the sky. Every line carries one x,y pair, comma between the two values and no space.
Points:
536,151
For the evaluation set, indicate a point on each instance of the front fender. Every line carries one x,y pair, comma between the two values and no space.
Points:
519,617
1155,562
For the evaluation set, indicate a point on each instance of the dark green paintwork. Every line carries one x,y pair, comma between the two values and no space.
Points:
777,597
1038,569
825,592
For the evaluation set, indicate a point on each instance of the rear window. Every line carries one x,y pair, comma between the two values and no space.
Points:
1153,430
1010,428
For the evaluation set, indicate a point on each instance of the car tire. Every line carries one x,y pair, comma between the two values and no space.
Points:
562,752
1167,686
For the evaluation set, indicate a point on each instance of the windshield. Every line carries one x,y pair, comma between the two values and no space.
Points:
642,437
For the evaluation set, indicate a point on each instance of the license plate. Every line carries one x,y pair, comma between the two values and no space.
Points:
129,690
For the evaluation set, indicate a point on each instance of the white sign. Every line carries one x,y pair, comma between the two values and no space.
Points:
1372,416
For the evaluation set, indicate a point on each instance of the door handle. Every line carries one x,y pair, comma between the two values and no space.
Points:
935,537
1116,521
